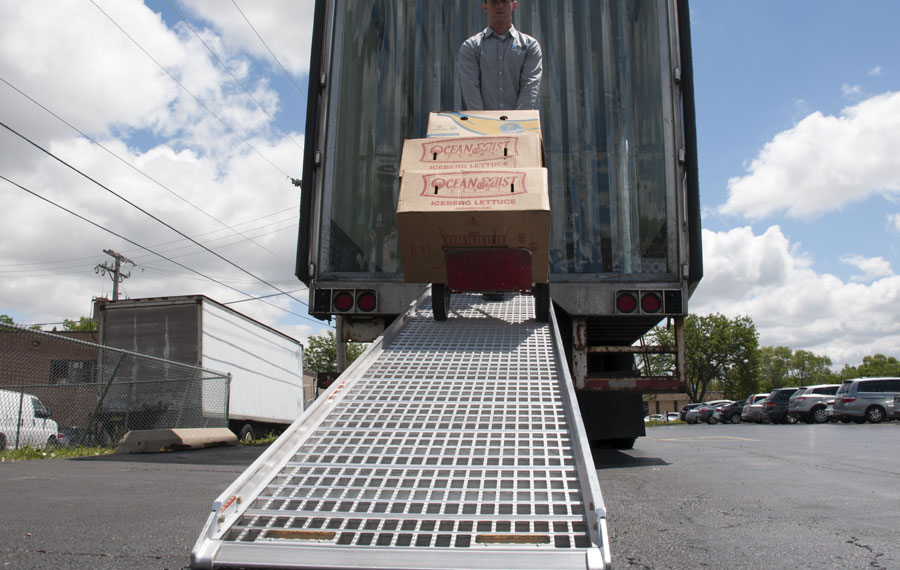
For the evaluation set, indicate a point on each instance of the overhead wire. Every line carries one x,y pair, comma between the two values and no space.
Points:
288,75
236,80
145,212
132,242
189,92
138,170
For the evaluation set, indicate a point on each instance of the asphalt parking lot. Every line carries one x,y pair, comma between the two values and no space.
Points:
755,496
744,496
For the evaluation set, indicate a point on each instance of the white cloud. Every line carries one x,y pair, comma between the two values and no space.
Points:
279,22
872,267
851,91
74,61
875,70
772,281
823,163
894,221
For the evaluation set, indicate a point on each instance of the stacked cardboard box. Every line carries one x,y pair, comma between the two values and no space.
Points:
473,184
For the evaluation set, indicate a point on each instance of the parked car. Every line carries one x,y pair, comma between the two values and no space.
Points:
753,407
654,418
731,413
895,414
672,416
865,399
24,420
829,411
704,412
686,408
808,404
775,406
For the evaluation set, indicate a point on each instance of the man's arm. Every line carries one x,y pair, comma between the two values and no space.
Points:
470,75
530,78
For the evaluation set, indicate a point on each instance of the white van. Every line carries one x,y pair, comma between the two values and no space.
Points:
24,420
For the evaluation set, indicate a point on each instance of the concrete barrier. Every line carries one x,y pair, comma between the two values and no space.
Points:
157,440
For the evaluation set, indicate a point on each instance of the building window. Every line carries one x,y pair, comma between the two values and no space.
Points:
73,371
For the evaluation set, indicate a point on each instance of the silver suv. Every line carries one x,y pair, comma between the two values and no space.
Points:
808,404
865,399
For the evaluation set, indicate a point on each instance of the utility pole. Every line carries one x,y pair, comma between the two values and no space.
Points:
115,272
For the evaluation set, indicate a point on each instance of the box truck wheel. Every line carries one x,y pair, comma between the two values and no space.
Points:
246,433
542,302
440,301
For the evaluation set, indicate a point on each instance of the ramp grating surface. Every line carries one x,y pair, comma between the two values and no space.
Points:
456,437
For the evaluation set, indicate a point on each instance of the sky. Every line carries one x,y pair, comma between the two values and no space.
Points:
151,122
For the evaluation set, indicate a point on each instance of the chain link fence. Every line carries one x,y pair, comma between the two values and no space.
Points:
58,389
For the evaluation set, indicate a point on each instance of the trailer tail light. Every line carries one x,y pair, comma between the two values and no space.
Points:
626,302
343,301
366,301
651,302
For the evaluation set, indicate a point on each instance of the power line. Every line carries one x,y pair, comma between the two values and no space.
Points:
236,80
145,212
261,297
293,224
138,170
288,75
132,242
188,91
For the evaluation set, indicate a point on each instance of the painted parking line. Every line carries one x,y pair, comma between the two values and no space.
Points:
698,438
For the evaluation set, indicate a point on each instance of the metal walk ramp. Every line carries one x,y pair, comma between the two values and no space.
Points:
447,445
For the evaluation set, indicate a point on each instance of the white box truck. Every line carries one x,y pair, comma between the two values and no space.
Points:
266,366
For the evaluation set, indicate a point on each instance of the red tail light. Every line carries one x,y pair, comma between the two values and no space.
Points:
366,301
626,302
771,404
651,302
848,399
343,301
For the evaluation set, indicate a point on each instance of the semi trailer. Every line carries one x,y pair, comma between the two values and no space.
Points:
465,442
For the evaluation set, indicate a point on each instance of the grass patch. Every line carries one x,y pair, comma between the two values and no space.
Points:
654,423
28,453
265,440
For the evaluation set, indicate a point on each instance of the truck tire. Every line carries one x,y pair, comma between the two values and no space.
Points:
246,434
440,301
542,302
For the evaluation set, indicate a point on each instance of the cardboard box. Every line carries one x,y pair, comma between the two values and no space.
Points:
461,153
437,211
481,123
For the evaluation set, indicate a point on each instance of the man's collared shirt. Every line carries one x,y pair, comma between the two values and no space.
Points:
500,72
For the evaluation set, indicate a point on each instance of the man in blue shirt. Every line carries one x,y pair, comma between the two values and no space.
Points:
500,67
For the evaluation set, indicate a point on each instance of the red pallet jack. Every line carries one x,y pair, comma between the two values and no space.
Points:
489,270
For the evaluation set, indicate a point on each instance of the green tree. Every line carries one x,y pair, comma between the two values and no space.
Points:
774,363
720,353
7,320
873,366
780,366
320,354
82,324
